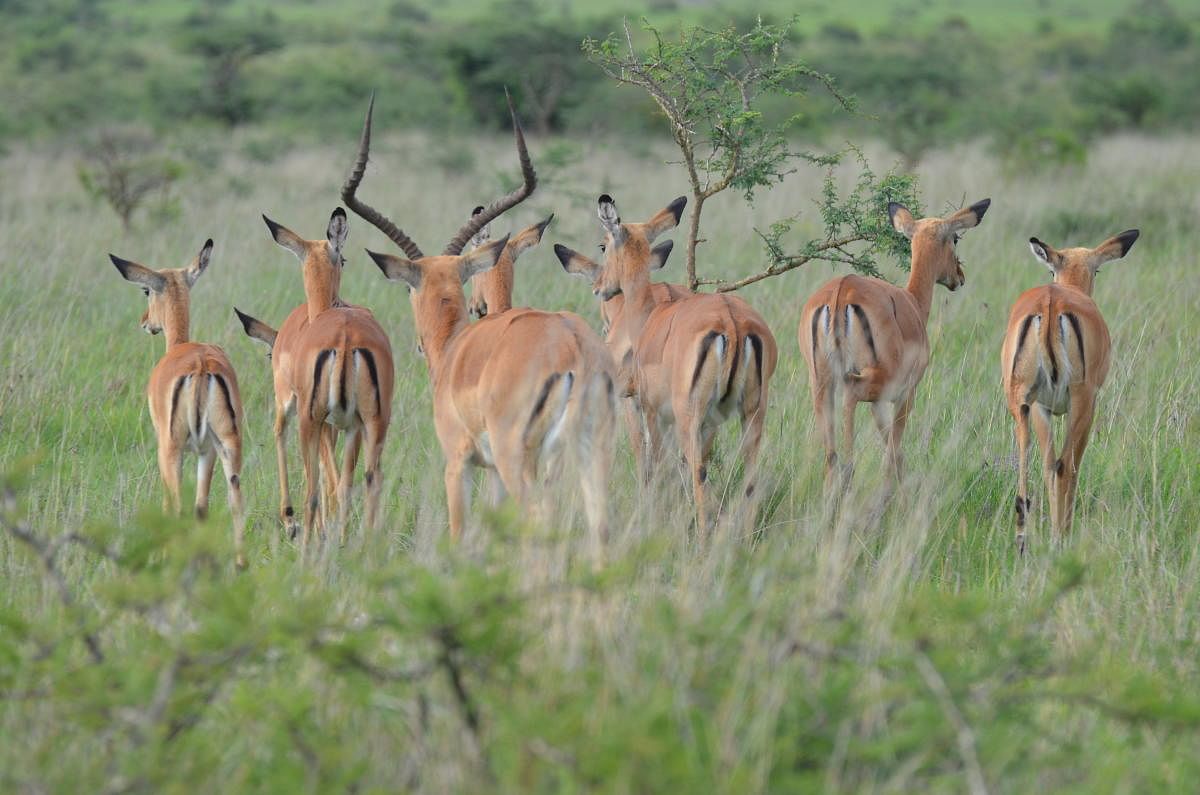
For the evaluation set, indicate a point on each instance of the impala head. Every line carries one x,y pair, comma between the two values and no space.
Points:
629,250
492,289
321,260
435,284
1077,267
166,290
934,240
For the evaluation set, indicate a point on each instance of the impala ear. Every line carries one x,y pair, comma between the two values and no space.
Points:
289,239
398,269
481,259
968,217
139,274
256,329
610,219
665,219
1045,254
1116,247
336,234
659,254
576,264
199,264
528,237
902,220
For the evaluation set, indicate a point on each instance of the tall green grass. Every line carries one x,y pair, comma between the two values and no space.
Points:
882,651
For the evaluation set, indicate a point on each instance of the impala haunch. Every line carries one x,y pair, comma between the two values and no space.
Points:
332,365
193,392
1054,360
865,341
512,390
695,361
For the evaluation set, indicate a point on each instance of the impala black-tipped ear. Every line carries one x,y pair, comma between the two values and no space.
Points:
397,269
981,207
289,239
1127,239
139,274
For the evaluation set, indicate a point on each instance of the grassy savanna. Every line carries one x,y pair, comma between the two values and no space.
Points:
882,651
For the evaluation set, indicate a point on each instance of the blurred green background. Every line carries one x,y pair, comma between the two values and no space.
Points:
1038,79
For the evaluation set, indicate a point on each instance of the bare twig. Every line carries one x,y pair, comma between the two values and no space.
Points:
964,736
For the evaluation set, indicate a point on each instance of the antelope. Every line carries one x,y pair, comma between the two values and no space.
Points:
865,339
491,290
192,392
513,389
694,361
332,366
1054,360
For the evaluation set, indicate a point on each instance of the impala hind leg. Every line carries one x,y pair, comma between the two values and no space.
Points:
823,412
1021,417
350,452
1079,428
374,435
170,467
458,486
330,503
1045,436
230,453
310,442
849,406
205,462
287,514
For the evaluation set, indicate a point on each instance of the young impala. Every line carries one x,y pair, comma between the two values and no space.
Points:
332,365
193,392
491,291
1054,360
512,389
865,340
694,361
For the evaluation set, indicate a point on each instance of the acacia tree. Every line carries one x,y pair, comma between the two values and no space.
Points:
712,86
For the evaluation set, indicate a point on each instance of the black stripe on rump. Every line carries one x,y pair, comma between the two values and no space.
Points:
862,319
757,343
1021,341
175,400
540,405
1078,338
316,387
344,399
369,358
228,398
705,344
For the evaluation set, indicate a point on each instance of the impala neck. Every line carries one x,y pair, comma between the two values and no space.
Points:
321,291
176,325
920,286
639,303
439,335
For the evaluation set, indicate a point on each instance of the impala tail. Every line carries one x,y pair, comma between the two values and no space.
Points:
549,414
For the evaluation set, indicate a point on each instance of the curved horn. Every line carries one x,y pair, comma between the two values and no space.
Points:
366,211
493,210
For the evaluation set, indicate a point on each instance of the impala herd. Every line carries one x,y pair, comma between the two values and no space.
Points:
519,389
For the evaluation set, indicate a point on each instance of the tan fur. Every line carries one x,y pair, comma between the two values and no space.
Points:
693,361
1054,359
491,404
192,392
337,399
491,291
885,365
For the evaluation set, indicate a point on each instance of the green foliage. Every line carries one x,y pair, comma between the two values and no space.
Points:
124,167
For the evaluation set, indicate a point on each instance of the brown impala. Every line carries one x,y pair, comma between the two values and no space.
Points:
514,388
694,361
333,369
193,392
865,340
1054,360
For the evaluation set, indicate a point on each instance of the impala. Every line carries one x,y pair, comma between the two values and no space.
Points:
491,290
1054,360
865,340
514,388
332,366
694,361
193,392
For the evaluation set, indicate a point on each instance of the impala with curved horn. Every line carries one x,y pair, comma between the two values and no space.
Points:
865,341
193,392
332,366
514,388
695,361
1054,360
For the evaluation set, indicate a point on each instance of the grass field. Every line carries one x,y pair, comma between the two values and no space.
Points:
913,650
